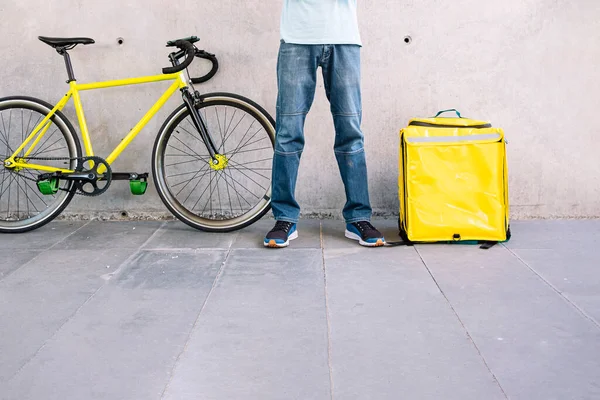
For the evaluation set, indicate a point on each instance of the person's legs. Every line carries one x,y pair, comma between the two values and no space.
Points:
296,81
341,74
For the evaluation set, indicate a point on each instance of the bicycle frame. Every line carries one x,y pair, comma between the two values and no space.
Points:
40,130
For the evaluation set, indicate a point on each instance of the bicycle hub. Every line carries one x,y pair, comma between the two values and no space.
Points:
219,163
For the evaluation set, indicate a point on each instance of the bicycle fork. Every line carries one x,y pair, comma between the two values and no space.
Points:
218,161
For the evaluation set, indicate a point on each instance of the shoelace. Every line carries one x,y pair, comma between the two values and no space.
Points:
364,226
282,226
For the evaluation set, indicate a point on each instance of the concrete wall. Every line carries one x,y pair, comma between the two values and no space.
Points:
529,66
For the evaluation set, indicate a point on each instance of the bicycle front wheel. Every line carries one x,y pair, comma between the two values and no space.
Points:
216,199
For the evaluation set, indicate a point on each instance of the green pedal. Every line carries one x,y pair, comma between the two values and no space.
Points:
48,187
138,187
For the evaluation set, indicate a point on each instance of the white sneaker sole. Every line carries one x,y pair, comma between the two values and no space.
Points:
272,244
354,236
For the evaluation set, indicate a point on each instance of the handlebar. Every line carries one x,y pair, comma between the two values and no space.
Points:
215,66
186,48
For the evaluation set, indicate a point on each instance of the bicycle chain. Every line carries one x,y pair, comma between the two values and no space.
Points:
77,191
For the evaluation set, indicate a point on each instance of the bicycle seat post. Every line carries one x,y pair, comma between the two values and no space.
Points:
63,52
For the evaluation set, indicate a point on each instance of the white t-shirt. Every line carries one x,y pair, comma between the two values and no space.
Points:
320,22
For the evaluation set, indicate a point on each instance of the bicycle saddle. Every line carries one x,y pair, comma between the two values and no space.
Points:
63,42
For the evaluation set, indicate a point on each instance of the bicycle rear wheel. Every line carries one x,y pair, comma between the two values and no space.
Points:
22,206
216,200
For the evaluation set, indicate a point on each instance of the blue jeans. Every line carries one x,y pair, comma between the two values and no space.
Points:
297,77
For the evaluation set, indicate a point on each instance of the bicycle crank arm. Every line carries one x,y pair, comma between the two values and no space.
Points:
128,176
89,177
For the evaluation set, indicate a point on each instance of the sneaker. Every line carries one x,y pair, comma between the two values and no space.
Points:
281,234
365,233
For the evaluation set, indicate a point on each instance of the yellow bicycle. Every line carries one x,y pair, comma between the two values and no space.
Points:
211,161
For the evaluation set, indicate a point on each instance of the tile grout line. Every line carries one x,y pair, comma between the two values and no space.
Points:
461,323
187,341
42,251
554,288
68,236
137,252
326,311
103,285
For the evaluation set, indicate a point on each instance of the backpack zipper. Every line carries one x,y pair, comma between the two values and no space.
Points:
426,124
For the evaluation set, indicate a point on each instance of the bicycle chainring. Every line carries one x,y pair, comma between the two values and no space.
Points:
98,183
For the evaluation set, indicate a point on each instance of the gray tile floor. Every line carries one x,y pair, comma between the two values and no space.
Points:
152,310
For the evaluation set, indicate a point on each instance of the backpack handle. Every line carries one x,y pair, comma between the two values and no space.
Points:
444,111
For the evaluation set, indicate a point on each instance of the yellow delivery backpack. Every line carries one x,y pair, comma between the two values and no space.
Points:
453,182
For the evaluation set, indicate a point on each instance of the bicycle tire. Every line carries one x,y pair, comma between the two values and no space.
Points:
63,197
185,213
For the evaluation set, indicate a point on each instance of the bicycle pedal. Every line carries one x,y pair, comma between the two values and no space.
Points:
48,187
139,184
138,187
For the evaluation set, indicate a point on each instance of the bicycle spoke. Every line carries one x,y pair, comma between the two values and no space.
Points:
246,151
181,174
29,121
219,122
238,124
243,173
182,155
4,133
9,121
257,161
228,194
205,189
35,189
17,181
27,198
190,180
236,191
22,128
43,149
188,154
4,172
234,164
46,139
211,192
209,201
3,189
227,130
249,191
179,163
194,188
36,123
245,134
249,144
8,149
8,205
36,192
189,148
189,133
219,192
239,147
